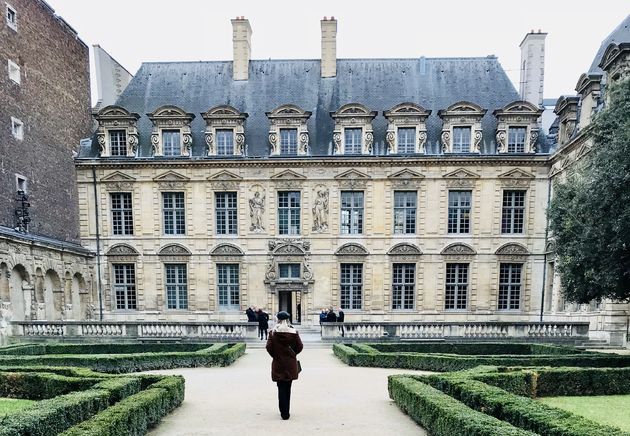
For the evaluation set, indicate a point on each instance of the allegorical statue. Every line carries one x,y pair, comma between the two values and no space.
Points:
320,211
256,212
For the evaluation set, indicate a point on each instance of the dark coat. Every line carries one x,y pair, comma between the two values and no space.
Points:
263,320
284,347
322,317
340,316
331,317
251,315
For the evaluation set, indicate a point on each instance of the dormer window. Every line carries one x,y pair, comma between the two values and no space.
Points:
517,130
353,129
461,128
225,131
117,131
171,135
406,131
288,133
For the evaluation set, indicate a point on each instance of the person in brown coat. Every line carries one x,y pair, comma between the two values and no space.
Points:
283,345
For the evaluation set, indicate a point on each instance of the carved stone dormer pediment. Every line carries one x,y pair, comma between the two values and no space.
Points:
351,249
122,250
288,179
465,115
353,116
516,178
227,252
512,251
116,124
225,181
292,117
174,253
171,180
458,251
405,252
352,179
566,109
616,62
232,122
406,115
406,179
171,118
522,117
460,178
118,181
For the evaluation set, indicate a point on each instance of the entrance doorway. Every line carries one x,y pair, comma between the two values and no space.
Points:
291,302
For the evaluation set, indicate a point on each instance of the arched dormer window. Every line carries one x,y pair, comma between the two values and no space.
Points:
288,133
461,129
171,135
225,131
407,130
616,62
517,131
353,129
117,132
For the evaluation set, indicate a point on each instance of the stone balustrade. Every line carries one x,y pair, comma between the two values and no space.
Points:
520,331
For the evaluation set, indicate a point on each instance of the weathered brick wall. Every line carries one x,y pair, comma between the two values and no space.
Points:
53,101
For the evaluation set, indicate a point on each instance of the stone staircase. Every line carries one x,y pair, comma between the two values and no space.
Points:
597,344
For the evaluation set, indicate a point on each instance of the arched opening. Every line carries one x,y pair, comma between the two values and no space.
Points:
18,287
80,297
53,295
39,305
5,293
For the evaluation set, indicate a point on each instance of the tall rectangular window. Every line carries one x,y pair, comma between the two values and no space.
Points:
456,292
174,210
459,204
17,128
513,214
226,213
228,286
289,213
406,140
125,286
14,71
510,286
122,213
352,140
461,139
351,286
403,286
290,270
118,142
225,142
405,212
288,141
516,139
171,144
11,16
351,212
176,286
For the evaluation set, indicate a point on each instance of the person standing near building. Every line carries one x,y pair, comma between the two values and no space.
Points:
263,324
251,315
340,318
322,318
283,345
331,316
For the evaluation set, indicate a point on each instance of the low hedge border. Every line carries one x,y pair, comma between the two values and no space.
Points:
475,348
40,386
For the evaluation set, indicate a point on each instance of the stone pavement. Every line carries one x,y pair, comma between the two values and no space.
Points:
329,398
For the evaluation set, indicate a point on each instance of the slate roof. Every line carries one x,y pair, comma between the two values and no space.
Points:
620,34
379,84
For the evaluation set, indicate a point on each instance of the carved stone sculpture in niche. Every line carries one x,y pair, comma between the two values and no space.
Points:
320,210
257,211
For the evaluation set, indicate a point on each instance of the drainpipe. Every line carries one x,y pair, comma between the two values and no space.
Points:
544,276
98,247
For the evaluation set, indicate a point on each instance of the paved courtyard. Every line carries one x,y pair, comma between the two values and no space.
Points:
329,398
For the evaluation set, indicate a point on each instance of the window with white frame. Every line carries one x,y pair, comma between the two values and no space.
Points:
461,139
351,212
405,212
118,142
122,213
225,142
171,143
228,286
290,270
174,211
288,141
11,16
21,183
403,286
14,71
226,212
176,286
125,286
17,128
456,292
516,139
459,204
510,276
406,140
289,213
513,214
351,285
353,143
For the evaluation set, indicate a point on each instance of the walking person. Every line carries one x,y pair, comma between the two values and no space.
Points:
283,345
263,324
340,318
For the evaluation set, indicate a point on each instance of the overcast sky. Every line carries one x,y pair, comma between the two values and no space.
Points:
135,31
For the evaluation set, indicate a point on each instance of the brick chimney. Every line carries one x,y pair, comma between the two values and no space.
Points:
533,67
329,47
241,43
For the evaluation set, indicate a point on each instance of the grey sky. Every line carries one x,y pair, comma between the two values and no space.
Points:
134,31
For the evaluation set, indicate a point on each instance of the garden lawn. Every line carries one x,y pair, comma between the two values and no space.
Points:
605,409
9,405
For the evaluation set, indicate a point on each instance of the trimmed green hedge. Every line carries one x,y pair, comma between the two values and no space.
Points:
442,415
22,349
475,348
39,386
583,381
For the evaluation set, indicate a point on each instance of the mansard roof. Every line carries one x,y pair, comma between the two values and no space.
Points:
619,35
378,84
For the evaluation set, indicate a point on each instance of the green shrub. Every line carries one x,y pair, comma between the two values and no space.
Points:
115,348
442,415
23,349
583,381
39,386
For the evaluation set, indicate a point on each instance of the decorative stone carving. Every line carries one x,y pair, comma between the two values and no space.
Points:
406,115
353,115
405,249
257,210
90,312
550,248
289,251
462,114
514,115
122,250
320,209
461,178
117,118
511,249
351,249
174,253
616,62
516,178
225,181
288,179
227,250
288,116
406,179
225,117
352,179
171,181
458,249
118,182
171,118
566,109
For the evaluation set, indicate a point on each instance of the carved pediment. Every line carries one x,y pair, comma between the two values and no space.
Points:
461,173
353,109
458,249
122,250
117,176
223,111
116,112
351,249
288,110
227,250
462,107
225,175
289,247
352,174
550,247
405,174
611,54
512,249
171,176
288,175
225,180
169,111
516,178
404,249
174,250
407,109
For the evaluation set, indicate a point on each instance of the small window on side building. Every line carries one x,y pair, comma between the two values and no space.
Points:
17,128
21,183
14,72
11,17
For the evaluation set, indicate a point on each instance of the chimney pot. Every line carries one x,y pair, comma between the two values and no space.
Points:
241,45
329,47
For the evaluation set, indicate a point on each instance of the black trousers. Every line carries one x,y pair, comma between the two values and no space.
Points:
284,397
262,331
